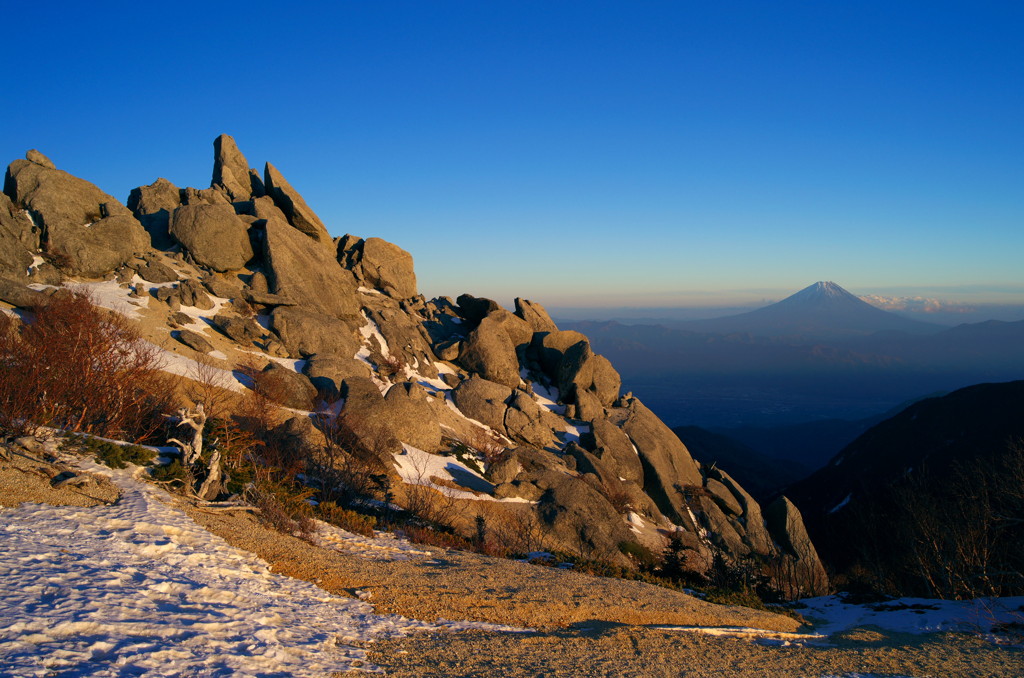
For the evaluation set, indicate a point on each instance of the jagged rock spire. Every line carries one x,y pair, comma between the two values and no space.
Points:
231,169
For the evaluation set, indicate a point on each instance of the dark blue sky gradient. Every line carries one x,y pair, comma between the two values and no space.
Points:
648,153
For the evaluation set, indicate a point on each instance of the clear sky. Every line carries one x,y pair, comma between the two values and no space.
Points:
575,153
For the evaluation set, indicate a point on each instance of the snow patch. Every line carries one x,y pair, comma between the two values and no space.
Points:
370,329
183,366
417,467
912,615
138,588
759,636
841,504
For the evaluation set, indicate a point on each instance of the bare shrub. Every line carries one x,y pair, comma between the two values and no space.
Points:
347,466
210,386
284,507
256,410
346,519
77,367
515,530
425,499
389,366
955,534
617,496
487,444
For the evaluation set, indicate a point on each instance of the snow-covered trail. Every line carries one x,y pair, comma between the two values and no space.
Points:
138,588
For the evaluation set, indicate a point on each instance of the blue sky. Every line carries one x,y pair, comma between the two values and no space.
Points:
583,154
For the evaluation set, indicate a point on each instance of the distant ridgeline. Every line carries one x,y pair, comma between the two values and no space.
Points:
819,354
514,420
929,502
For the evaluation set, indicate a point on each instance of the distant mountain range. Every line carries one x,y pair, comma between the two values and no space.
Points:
822,310
821,353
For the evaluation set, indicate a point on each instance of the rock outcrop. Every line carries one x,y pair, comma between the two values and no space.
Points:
153,206
18,240
231,170
503,394
294,207
213,235
85,231
489,352
307,273
379,264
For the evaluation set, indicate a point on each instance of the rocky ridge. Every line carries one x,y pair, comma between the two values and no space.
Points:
246,268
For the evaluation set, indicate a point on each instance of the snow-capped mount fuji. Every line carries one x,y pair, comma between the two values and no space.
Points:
821,310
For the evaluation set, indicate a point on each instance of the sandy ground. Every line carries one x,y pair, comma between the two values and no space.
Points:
27,477
583,625
590,626
615,650
455,585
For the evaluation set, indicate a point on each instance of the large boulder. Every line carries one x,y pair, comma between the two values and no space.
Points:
489,352
87,231
307,273
474,309
304,333
263,207
241,330
99,248
723,533
286,386
582,518
294,207
519,332
535,315
389,267
192,293
21,296
786,525
213,235
551,347
525,421
755,533
365,417
723,497
613,447
380,264
195,341
483,400
153,206
583,370
230,169
155,271
668,467
411,417
18,240
327,372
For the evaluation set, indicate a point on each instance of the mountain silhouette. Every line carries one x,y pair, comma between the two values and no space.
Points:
821,310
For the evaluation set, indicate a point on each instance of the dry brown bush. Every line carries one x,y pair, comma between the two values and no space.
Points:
209,385
517,530
389,366
256,411
487,443
78,367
